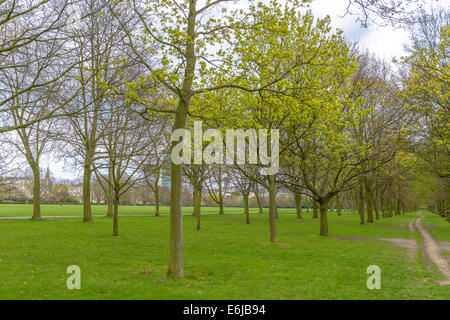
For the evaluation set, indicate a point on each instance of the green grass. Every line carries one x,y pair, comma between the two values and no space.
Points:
437,226
227,259
16,210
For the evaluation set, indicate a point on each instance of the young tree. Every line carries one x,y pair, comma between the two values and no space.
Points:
123,150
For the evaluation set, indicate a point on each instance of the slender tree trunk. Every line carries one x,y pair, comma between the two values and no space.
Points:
156,200
258,200
272,209
382,205
221,210
397,207
87,215
298,204
194,202
36,193
109,195
338,205
116,216
361,204
315,213
277,216
197,205
176,226
220,195
375,205
246,210
323,218
156,191
369,201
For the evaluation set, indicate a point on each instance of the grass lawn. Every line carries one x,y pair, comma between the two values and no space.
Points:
227,259
436,226
16,210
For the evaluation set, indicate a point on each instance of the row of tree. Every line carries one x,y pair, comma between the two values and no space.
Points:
103,84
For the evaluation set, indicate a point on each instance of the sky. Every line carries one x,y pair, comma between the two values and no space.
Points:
387,42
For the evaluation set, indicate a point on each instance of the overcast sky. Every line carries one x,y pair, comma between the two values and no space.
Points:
387,42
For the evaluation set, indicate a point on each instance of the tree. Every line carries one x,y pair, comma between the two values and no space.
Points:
32,29
218,184
123,150
428,95
185,33
243,185
159,156
98,40
31,135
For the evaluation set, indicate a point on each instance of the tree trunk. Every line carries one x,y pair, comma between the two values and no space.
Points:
36,193
397,207
298,204
361,204
382,205
369,201
176,223
246,210
375,205
156,190
258,200
87,215
197,205
338,205
156,201
315,213
389,207
221,211
272,209
116,216
323,218
109,195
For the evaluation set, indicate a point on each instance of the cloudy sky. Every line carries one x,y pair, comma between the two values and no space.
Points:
386,41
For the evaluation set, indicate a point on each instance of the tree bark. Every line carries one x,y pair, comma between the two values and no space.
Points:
246,210
315,213
36,193
109,195
323,205
197,206
156,191
361,204
176,218
258,200
221,210
338,205
220,195
375,206
116,216
87,215
272,209
369,201
397,206
298,204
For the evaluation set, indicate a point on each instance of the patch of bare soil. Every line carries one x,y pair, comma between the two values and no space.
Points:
433,251
444,245
410,244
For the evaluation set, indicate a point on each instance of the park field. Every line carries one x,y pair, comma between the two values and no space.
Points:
226,259
24,210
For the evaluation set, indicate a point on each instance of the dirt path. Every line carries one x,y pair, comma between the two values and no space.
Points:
433,251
